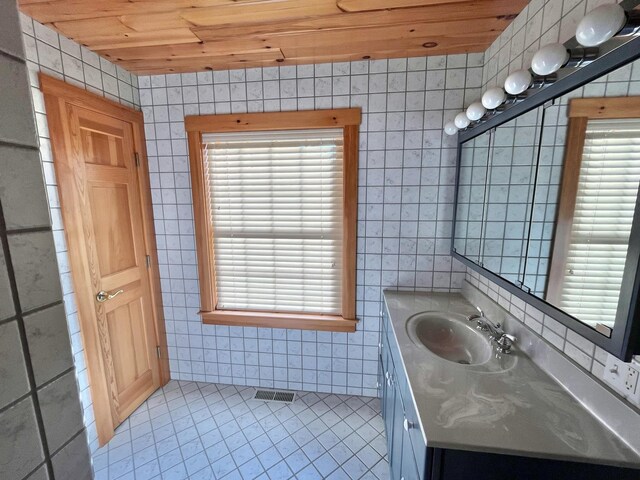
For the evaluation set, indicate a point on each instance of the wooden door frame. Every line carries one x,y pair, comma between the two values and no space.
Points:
57,94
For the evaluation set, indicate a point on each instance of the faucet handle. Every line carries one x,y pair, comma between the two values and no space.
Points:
481,324
505,342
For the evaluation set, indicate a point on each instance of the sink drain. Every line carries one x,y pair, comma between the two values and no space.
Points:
464,362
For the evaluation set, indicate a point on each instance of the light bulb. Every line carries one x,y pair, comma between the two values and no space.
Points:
461,120
475,111
518,82
549,59
450,128
600,24
493,98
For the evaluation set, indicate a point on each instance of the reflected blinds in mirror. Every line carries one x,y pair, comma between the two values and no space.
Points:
276,208
605,204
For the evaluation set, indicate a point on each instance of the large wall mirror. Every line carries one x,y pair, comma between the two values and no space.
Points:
548,206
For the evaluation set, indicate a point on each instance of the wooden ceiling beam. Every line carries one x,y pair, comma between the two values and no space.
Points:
80,29
206,63
368,47
140,39
151,22
373,5
202,64
415,34
50,11
475,10
225,14
266,12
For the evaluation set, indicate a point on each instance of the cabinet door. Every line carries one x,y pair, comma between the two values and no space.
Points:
387,395
414,431
395,453
409,469
380,382
384,375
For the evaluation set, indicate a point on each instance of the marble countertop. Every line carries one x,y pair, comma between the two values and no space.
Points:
507,405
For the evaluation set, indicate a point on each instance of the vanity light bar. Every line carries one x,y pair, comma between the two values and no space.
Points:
597,27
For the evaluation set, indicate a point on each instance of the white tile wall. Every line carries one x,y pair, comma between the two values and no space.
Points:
62,58
406,180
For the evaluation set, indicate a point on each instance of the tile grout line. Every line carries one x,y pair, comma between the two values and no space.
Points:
33,389
228,391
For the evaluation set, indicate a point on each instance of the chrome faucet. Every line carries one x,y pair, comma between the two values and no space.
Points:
503,340
475,316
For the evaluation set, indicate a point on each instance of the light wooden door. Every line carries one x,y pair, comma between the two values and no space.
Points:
98,175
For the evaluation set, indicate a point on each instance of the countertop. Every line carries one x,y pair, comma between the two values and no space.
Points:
507,406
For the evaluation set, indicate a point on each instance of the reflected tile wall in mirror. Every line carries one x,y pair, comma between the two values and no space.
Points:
545,200
510,188
471,196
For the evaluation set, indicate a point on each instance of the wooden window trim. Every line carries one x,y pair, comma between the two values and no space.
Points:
347,119
581,110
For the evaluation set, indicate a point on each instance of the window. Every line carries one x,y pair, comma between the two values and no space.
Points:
597,205
275,202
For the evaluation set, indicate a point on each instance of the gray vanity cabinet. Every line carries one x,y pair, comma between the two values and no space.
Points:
411,459
392,413
399,416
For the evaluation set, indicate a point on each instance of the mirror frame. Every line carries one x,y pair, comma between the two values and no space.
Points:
617,52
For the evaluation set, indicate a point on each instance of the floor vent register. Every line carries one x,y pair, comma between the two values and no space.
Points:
279,396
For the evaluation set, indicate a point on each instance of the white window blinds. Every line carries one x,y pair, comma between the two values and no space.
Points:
605,205
276,210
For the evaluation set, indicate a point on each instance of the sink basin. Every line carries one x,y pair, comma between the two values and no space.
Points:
450,336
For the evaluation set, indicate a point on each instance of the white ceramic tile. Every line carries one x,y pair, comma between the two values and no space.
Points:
205,430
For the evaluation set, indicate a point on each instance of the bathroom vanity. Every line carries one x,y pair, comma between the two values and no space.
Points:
484,415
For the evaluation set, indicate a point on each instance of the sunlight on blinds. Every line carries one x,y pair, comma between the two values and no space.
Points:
276,209
605,205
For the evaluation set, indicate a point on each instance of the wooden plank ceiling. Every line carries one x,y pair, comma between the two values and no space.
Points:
164,36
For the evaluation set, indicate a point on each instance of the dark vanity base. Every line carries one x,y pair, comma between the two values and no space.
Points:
410,458
462,465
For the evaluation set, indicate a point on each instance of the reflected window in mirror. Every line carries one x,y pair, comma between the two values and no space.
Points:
596,208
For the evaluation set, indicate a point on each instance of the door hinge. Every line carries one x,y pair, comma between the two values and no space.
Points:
158,351
148,261
136,155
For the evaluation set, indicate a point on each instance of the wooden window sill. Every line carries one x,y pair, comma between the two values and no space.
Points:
330,323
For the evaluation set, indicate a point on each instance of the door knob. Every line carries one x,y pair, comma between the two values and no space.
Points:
103,296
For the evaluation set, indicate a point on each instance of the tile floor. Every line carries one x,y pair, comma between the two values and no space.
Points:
190,430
